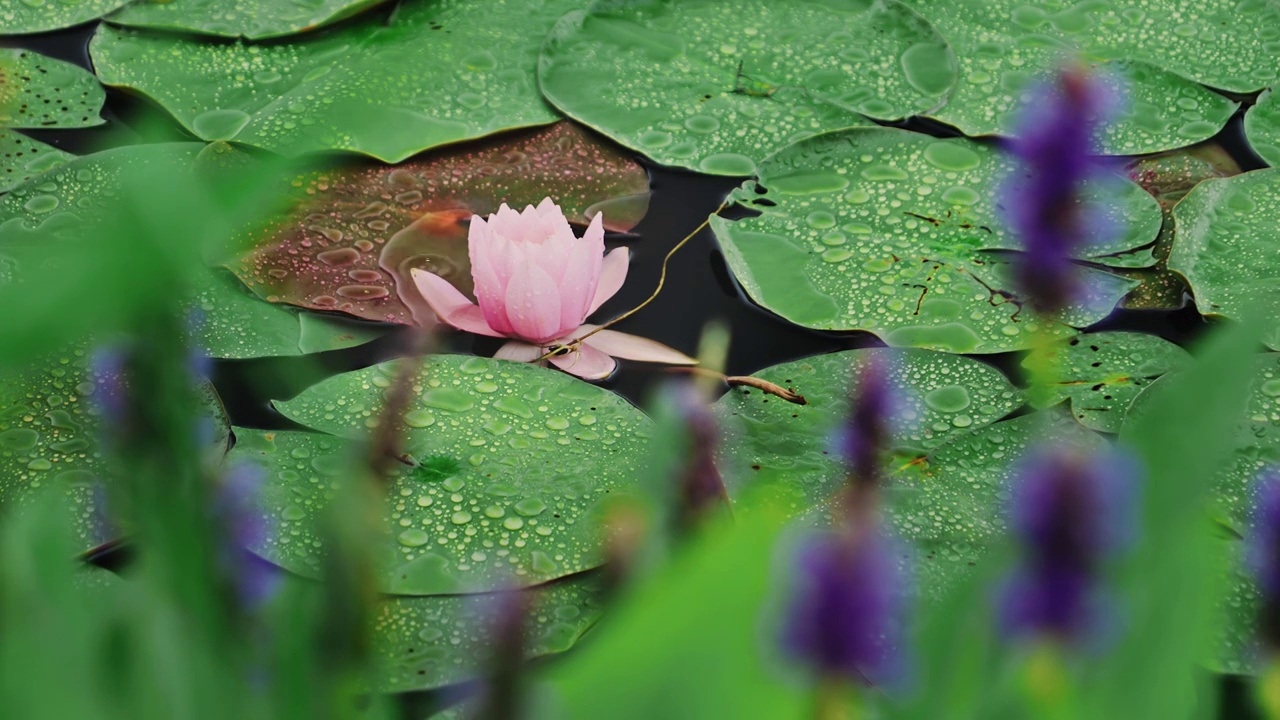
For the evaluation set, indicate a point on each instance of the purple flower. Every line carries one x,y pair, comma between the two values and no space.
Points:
1071,510
1264,556
242,526
1055,145
108,369
865,435
843,617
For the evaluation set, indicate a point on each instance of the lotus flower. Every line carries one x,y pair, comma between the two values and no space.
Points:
536,283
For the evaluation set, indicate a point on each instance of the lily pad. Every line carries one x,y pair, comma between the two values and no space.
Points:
1004,46
40,92
1102,373
716,86
951,456
18,18
1169,177
1226,247
22,158
430,642
512,464
352,236
229,322
894,232
436,73
322,334
250,19
1262,127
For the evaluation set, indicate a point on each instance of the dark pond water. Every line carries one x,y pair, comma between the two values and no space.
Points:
699,287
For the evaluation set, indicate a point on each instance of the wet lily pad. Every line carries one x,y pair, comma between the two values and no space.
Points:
437,73
716,86
322,334
1169,177
251,19
1262,127
1003,46
1226,247
895,232
951,457
17,18
352,236
229,322
22,158
512,465
1101,373
429,642
41,92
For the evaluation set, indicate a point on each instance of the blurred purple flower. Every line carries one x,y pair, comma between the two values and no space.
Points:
1054,145
1264,556
863,439
501,696
843,619
107,371
243,525
1071,510
701,487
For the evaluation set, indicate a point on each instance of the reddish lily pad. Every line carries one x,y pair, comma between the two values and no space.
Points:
352,236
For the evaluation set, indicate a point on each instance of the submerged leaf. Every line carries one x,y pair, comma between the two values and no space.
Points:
251,19
436,73
353,236
716,85
42,92
508,466
895,232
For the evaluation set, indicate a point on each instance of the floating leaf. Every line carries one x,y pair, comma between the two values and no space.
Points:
50,420
1101,373
512,464
1262,127
437,73
230,322
716,86
950,458
1004,46
322,334
1169,177
429,642
22,158
251,19
1225,247
34,16
41,92
352,236
890,231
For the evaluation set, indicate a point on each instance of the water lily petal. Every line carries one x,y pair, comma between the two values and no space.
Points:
533,300
634,347
613,272
489,271
450,305
587,363
519,351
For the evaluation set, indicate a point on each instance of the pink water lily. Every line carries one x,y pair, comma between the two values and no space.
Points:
537,283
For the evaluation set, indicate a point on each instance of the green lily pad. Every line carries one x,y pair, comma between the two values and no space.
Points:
437,73
429,642
1225,247
1102,373
40,92
322,334
893,232
34,16
22,158
1262,127
1004,46
950,462
351,236
250,19
513,463
716,86
232,323
1169,177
